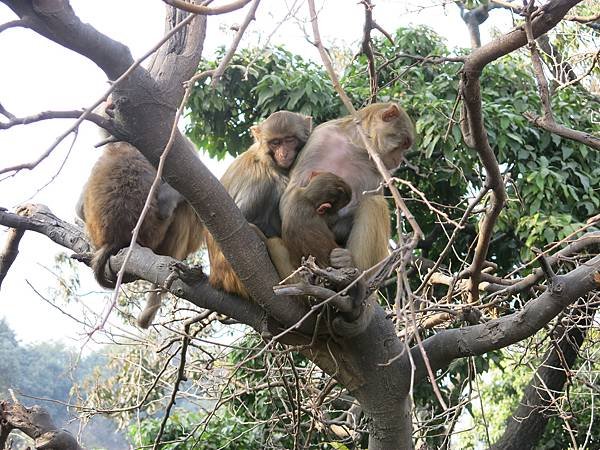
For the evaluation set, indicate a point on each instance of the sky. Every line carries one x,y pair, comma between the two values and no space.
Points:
38,75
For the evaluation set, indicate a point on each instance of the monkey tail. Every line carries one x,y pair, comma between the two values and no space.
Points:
153,303
99,263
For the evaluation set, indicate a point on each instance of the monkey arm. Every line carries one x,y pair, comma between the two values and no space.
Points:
370,234
255,191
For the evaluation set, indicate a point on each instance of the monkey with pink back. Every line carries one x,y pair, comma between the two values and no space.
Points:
363,226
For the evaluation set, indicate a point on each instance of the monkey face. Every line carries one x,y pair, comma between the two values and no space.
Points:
284,150
394,134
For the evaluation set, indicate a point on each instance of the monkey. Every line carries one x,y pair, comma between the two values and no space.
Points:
255,180
363,225
336,147
307,229
111,203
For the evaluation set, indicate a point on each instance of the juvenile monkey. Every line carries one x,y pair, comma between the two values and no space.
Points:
111,203
336,147
307,229
255,181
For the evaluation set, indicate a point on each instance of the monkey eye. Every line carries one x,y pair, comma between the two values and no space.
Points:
274,144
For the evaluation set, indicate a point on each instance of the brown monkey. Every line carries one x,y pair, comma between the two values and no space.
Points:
307,229
335,146
255,181
111,203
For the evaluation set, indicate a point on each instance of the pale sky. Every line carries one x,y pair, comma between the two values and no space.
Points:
38,75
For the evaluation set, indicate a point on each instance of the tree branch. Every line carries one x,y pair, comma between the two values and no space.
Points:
545,19
102,122
206,10
548,122
145,105
189,284
448,345
528,422
36,423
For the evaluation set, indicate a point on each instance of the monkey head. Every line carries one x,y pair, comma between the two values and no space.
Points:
282,135
327,192
392,131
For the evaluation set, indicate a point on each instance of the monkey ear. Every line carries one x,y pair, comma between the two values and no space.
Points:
256,132
323,207
390,113
308,120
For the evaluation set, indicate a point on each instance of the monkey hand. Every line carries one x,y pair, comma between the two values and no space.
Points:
341,258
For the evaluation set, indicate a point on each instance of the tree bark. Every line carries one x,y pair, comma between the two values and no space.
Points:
36,423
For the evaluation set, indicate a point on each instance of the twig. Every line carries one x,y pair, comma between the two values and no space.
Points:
548,121
203,10
14,24
99,120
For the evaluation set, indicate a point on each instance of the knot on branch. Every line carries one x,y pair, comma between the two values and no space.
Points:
342,289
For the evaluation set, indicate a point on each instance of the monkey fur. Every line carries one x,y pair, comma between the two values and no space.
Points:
336,147
111,203
255,181
307,229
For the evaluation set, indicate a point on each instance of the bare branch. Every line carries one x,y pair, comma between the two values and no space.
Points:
450,344
36,423
14,24
206,10
548,122
583,19
99,120
551,126
545,18
367,47
532,415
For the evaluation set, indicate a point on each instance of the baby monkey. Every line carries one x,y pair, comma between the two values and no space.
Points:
307,229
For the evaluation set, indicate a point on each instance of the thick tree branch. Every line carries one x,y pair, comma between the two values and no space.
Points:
189,284
448,345
10,251
36,423
528,422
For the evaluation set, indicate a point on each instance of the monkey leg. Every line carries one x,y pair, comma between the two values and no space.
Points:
278,252
79,209
371,231
280,257
153,303
168,199
222,276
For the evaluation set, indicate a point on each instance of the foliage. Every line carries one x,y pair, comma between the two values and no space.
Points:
256,83
551,181
48,371
503,388
222,431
